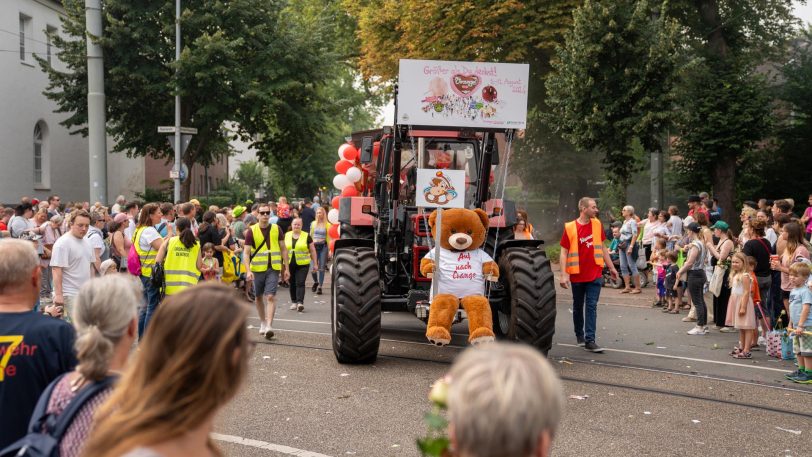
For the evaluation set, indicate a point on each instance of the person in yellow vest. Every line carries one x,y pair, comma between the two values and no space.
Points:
147,241
320,233
267,259
181,258
302,259
582,261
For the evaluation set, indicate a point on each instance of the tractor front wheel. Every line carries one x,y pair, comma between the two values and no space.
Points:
528,313
356,305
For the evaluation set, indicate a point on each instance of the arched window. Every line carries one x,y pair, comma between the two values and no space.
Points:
41,159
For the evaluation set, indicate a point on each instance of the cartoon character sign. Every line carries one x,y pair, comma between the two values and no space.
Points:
440,191
440,188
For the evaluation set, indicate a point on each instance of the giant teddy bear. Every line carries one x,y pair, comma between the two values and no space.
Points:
464,268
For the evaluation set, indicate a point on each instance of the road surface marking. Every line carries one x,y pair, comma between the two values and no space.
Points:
666,356
265,445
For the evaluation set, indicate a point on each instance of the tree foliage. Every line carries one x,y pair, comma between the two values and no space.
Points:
264,65
613,81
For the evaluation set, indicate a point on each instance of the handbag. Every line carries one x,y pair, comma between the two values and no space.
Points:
641,260
717,279
158,276
133,262
45,431
787,353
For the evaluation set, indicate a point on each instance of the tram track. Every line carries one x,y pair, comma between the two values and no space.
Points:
641,389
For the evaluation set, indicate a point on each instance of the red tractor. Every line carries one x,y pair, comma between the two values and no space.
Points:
384,235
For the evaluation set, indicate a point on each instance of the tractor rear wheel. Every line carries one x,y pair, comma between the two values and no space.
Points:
356,232
356,305
528,283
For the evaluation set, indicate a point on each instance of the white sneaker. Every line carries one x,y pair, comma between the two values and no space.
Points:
697,331
268,333
300,307
262,329
762,341
293,306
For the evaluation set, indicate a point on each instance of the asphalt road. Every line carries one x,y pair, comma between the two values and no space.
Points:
655,391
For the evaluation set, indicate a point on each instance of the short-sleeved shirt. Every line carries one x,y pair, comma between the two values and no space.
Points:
761,250
588,269
18,224
74,256
96,239
249,238
308,215
41,350
460,272
798,297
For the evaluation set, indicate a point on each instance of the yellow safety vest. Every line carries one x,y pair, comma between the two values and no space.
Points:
264,253
147,258
573,266
180,267
302,248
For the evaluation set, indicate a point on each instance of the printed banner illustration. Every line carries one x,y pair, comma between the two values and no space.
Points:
462,94
440,188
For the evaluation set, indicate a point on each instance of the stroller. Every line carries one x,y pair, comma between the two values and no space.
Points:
619,283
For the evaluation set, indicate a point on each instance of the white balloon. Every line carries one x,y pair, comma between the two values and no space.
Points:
332,216
341,150
354,174
341,181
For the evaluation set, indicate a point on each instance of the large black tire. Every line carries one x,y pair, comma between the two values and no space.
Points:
359,233
356,305
528,283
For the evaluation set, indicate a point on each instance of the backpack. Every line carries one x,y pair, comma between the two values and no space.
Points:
45,431
106,241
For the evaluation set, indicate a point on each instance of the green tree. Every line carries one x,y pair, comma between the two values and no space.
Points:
253,175
732,38
242,61
613,82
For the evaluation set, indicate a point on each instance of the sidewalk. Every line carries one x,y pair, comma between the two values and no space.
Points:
610,296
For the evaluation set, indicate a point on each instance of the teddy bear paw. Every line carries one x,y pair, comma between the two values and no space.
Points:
482,340
438,336
481,335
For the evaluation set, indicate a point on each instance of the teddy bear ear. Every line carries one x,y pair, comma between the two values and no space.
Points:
432,219
483,216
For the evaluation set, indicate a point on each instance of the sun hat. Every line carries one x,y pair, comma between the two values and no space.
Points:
694,227
120,217
237,211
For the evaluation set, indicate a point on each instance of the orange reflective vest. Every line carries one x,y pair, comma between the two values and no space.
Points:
573,266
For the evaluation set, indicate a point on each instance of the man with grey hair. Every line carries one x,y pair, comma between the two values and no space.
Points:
34,349
504,400
120,202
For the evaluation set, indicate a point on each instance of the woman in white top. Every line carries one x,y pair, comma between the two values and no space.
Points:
627,250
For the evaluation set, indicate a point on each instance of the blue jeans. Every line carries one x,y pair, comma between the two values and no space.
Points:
151,298
586,293
321,256
628,262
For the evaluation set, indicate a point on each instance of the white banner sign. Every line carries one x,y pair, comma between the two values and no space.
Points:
462,94
440,188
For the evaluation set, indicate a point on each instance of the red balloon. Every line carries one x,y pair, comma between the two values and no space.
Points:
350,153
333,232
342,166
334,202
349,191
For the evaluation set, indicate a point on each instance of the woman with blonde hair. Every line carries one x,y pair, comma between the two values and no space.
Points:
105,316
191,363
320,233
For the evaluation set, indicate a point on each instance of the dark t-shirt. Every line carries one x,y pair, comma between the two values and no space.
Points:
249,238
308,215
41,350
212,235
761,250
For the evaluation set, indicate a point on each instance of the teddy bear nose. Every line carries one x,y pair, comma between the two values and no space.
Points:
460,241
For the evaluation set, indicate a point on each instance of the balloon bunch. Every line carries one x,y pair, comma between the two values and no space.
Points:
348,173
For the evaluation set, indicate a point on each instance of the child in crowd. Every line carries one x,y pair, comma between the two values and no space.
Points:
800,302
740,311
210,263
671,270
108,266
613,244
657,260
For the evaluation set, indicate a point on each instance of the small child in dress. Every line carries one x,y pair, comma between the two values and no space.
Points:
800,302
657,260
671,269
210,263
740,311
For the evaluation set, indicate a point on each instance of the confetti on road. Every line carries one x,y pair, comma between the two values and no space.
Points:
796,432
695,421
266,357
579,397
344,374
662,347
647,413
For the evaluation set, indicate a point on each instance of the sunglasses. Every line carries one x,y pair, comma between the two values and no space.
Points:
264,213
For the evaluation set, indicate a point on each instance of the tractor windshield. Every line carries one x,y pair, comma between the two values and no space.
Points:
440,154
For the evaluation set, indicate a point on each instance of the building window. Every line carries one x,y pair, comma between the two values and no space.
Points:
50,32
41,159
25,33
